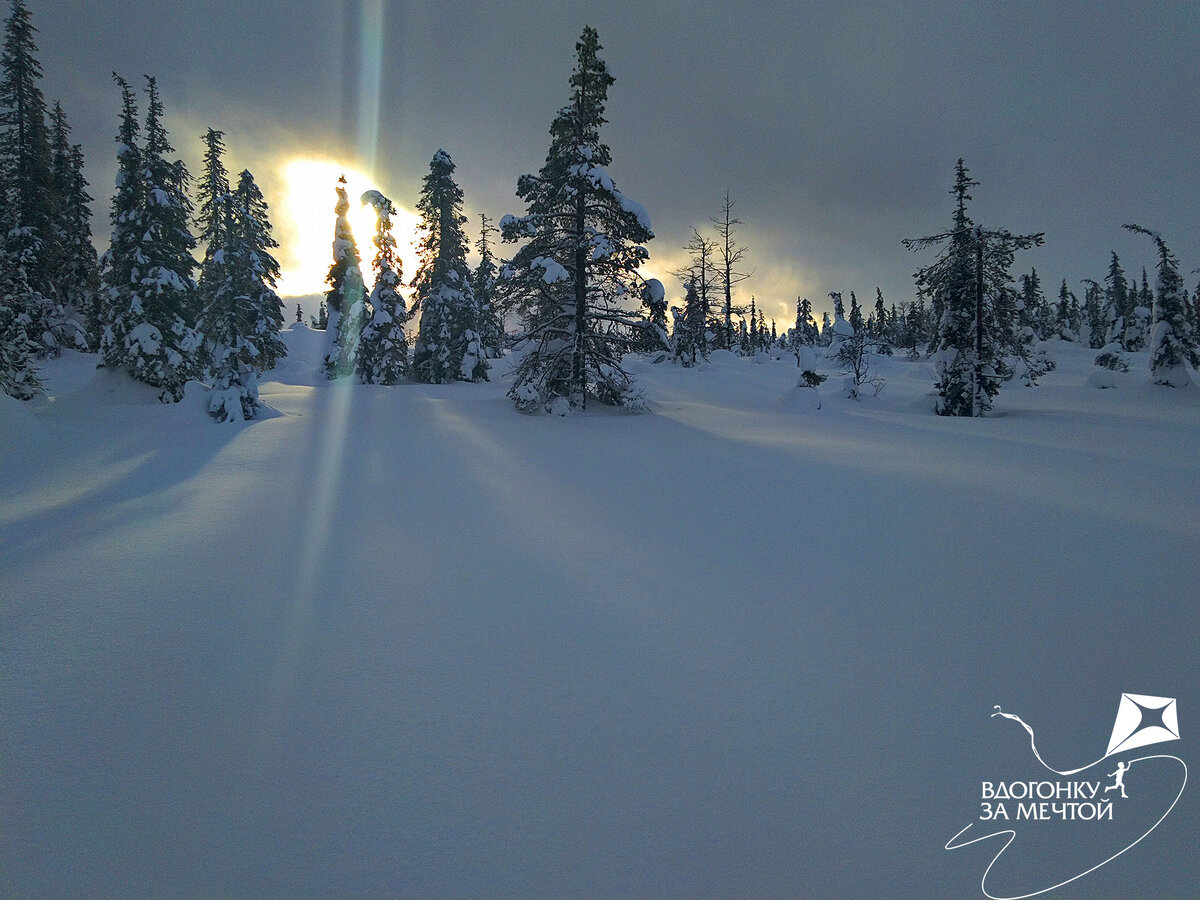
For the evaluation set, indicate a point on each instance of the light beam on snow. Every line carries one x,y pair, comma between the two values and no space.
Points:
315,531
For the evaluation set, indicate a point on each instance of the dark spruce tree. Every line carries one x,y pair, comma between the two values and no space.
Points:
579,265
383,354
346,297
448,346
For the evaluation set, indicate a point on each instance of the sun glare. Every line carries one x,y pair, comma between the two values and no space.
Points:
307,220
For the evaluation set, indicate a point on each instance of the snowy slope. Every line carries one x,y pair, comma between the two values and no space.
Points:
408,642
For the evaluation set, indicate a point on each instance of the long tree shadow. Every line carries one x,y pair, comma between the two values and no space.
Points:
95,461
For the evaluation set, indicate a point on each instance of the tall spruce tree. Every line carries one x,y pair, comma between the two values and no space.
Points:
152,296
483,285
214,218
448,346
1172,345
27,200
578,266
970,284
383,355
1066,314
1032,317
242,314
346,297
225,319
1095,313
76,273
119,264
256,271
1118,304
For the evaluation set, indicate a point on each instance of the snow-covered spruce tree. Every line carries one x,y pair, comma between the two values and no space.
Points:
383,353
76,274
243,314
804,333
214,218
701,272
580,260
119,264
27,200
882,325
346,297
1172,345
320,322
1094,314
18,372
651,333
151,295
448,346
225,321
255,263
1032,316
688,336
483,285
1118,303
971,285
1066,315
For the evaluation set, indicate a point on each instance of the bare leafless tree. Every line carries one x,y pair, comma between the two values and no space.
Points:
729,257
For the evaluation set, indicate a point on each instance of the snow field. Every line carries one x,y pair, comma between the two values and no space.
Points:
406,641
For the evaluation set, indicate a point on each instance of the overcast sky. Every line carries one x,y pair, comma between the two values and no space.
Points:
835,126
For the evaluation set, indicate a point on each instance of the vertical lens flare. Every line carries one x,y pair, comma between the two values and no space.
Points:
370,66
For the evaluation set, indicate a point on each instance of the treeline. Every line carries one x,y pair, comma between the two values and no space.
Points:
186,290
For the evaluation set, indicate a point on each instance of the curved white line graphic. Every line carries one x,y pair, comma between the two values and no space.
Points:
951,845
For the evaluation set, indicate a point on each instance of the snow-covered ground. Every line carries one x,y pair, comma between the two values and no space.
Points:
405,641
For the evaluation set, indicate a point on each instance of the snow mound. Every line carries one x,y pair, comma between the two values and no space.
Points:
799,400
20,429
1102,378
304,364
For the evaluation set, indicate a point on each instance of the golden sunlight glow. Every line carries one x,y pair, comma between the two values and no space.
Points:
306,220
